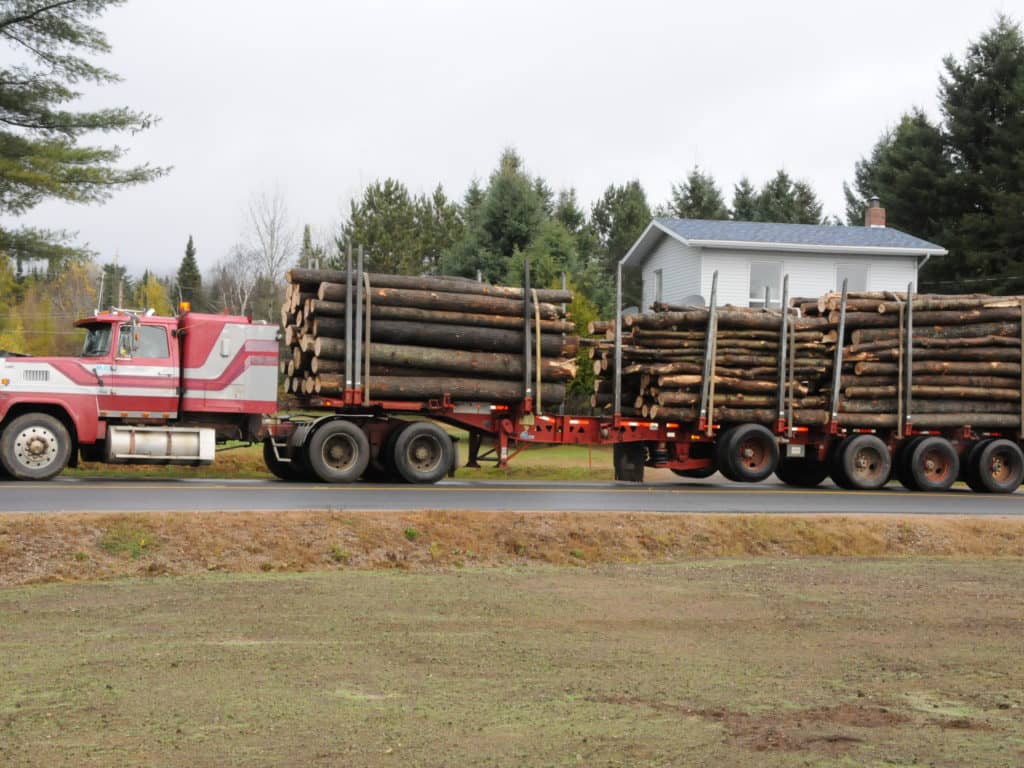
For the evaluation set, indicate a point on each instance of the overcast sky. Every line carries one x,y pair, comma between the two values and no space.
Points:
323,96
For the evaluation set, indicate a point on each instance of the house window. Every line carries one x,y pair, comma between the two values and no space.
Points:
856,276
766,276
658,295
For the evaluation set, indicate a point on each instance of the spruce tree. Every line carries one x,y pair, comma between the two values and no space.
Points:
744,201
698,197
189,279
41,156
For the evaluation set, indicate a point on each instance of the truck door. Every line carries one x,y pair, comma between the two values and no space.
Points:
144,376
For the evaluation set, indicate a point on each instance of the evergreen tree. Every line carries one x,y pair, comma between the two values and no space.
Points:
383,222
744,201
783,200
189,280
513,208
40,153
619,218
500,221
117,285
698,197
438,227
312,255
960,183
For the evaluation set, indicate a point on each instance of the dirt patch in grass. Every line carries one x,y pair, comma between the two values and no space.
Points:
760,662
38,547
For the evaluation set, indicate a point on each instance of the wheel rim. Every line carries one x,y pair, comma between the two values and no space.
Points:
340,451
36,447
867,464
1002,466
424,453
936,465
752,454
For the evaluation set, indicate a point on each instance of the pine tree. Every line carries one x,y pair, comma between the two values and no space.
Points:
784,200
960,182
40,153
382,220
698,197
744,201
620,217
189,282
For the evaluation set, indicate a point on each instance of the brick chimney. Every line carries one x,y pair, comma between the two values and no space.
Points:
874,215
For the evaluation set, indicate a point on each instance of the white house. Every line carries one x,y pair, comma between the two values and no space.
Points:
677,258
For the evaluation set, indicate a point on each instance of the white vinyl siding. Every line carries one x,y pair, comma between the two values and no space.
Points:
680,272
687,271
810,275
855,274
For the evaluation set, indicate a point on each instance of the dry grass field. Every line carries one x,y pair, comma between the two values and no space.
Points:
754,662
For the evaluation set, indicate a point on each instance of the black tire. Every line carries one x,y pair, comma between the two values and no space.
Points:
282,470
35,446
866,462
802,473
629,460
970,463
901,463
722,454
933,464
698,474
423,453
995,466
338,452
750,453
836,470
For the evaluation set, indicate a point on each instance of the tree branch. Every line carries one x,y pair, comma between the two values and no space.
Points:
28,16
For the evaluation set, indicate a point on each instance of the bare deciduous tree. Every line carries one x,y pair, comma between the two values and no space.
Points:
271,236
235,279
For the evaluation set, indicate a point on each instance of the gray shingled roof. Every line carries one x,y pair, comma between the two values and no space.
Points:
795,234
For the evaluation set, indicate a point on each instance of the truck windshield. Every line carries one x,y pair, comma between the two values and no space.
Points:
97,341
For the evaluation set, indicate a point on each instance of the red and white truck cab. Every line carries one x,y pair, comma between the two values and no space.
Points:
145,389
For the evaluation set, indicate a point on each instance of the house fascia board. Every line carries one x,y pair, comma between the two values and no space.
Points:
854,250
640,244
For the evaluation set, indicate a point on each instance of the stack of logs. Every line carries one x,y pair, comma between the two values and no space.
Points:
429,337
663,365
966,359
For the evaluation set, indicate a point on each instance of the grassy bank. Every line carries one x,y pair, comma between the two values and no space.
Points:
88,546
767,662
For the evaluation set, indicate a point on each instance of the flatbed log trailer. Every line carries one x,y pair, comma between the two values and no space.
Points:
155,390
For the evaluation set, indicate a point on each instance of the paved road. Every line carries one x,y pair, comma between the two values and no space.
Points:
99,495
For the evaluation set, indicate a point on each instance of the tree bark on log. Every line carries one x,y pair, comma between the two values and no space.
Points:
940,393
318,309
490,364
734,319
965,354
452,302
940,331
891,406
480,390
451,336
440,284
942,366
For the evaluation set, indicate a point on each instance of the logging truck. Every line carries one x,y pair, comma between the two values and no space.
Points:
169,390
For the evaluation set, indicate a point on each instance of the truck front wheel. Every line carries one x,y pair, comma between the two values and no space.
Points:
35,446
